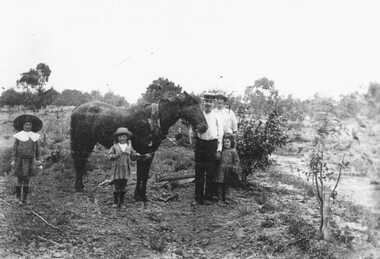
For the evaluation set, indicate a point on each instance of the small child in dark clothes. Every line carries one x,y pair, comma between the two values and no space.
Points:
226,174
25,153
120,153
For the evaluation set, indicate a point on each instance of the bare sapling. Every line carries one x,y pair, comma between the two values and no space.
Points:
324,178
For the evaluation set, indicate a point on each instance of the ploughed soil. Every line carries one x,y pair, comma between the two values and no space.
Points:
274,216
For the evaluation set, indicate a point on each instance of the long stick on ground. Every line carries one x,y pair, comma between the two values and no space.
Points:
44,220
34,214
172,177
5,202
51,241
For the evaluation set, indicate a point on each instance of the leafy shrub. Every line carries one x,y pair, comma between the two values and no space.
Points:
259,140
349,106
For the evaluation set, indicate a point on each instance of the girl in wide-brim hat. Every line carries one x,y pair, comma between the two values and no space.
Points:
25,153
18,123
120,155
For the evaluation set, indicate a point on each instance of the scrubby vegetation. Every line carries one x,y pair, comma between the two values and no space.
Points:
275,215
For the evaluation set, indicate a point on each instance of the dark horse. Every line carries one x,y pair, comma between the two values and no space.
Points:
94,122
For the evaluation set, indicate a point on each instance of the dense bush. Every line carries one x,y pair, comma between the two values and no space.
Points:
258,140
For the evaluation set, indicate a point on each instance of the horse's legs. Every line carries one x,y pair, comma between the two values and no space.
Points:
143,166
79,160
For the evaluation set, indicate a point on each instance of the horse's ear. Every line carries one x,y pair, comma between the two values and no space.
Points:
182,96
187,95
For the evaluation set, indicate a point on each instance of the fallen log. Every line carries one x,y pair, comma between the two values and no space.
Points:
174,176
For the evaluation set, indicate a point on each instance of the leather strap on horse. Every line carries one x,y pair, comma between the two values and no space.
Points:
154,123
154,120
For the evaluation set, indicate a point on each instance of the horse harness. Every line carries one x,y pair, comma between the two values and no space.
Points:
154,120
155,124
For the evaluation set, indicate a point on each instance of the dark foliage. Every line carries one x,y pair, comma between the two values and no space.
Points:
259,140
159,89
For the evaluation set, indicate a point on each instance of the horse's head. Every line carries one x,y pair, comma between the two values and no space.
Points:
190,110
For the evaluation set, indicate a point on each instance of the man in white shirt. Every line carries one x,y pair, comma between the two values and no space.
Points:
228,116
208,147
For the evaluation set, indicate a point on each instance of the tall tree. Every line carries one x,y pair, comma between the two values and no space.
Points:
262,97
33,83
159,89
373,99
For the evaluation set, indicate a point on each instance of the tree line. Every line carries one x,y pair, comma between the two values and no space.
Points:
31,91
259,99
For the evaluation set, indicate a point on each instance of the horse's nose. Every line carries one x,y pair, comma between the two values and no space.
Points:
202,127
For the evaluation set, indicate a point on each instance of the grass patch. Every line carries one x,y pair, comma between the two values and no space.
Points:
301,232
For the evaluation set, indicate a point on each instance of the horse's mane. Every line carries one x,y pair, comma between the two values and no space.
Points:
179,98
182,97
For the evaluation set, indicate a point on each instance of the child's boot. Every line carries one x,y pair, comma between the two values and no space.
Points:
121,198
18,194
25,191
115,199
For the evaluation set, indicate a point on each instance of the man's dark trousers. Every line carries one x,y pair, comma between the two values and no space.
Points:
205,151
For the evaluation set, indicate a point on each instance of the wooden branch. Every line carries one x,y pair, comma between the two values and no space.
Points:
172,177
5,202
321,175
36,215
325,230
51,241
340,173
319,197
45,220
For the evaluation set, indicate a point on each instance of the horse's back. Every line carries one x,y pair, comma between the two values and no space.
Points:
92,107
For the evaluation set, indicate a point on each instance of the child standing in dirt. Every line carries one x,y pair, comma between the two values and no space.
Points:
226,174
25,153
120,154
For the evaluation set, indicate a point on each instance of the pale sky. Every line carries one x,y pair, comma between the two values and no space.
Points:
332,47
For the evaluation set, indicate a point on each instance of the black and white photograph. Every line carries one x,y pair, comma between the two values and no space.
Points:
190,129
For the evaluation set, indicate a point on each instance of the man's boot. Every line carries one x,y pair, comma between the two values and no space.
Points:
18,194
121,198
115,199
25,191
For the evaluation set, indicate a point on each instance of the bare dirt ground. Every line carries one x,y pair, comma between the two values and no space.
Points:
275,216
